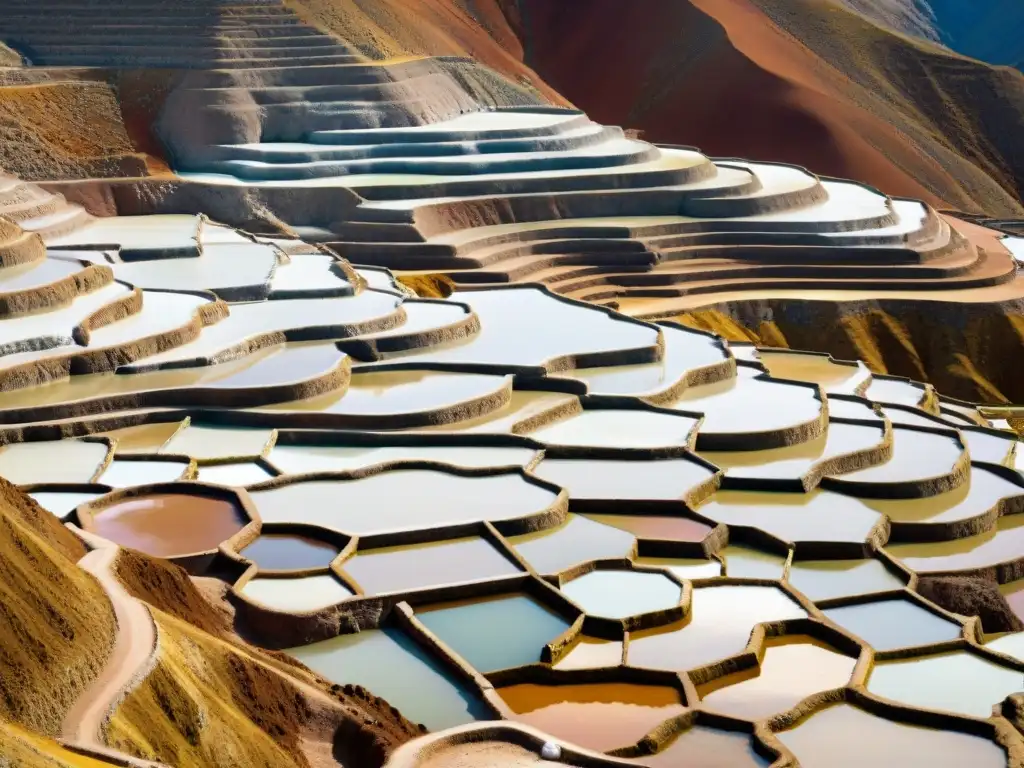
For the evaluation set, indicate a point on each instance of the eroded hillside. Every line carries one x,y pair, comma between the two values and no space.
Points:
204,700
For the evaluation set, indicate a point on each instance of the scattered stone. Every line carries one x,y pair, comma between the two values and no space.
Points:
551,751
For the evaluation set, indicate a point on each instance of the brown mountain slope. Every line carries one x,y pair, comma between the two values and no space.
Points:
806,82
24,749
210,699
65,130
203,704
56,625
384,29
231,703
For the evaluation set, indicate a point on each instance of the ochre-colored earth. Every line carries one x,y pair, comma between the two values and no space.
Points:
65,130
799,81
211,699
56,626
388,29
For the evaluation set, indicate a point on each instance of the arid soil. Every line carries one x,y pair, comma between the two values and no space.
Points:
65,130
25,749
9,58
803,82
385,29
208,700
972,354
231,703
56,625
168,588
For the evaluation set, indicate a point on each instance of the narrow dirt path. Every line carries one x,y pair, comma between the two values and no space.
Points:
131,657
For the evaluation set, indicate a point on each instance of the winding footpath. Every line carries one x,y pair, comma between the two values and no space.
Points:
131,659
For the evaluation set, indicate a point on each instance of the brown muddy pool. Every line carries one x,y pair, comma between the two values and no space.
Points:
599,716
169,524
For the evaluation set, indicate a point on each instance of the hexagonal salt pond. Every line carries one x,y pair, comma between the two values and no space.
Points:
917,456
796,461
405,499
792,668
238,475
843,736
598,716
704,747
620,594
657,527
282,365
523,411
404,395
494,633
975,498
401,569
1004,544
529,326
590,653
143,438
818,516
623,428
168,524
302,594
685,350
225,268
885,389
577,540
718,625
123,474
52,461
1011,645
289,552
298,459
389,664
827,579
214,442
991,446
833,376
684,567
895,623
742,562
319,318
751,404
668,480
60,503
960,682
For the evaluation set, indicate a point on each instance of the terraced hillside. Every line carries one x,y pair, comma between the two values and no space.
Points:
758,251
506,511
414,401
424,166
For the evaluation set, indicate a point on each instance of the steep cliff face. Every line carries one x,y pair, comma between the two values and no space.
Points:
805,82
